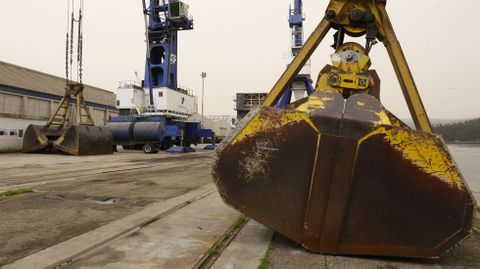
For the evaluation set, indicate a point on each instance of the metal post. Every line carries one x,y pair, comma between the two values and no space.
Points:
404,75
203,75
149,62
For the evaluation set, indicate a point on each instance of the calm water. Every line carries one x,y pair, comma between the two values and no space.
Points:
468,158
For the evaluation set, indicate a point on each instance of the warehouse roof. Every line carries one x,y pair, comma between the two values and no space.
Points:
28,79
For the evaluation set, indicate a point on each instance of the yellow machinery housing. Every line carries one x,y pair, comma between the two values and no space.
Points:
336,171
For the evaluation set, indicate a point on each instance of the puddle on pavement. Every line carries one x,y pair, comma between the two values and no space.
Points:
83,198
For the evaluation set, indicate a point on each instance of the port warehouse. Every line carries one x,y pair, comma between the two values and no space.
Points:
31,97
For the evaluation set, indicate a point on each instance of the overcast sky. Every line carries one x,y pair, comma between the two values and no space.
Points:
242,46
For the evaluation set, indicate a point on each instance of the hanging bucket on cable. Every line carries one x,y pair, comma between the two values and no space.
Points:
39,138
82,138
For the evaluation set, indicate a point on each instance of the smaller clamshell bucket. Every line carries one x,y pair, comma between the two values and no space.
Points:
81,140
39,138
346,177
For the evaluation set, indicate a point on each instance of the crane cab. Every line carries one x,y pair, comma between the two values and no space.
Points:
178,12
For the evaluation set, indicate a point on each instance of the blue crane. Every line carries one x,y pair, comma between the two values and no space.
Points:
163,20
295,20
153,131
303,79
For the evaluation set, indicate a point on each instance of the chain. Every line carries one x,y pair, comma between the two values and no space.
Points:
80,44
72,39
66,59
67,41
70,42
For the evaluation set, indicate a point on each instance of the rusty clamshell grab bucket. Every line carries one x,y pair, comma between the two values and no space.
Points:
79,139
40,138
346,183
59,134
75,140
337,172
82,140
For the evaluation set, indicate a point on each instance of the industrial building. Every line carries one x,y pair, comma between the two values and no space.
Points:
221,125
245,102
30,97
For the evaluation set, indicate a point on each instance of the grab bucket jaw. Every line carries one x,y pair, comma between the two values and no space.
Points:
39,138
346,177
81,140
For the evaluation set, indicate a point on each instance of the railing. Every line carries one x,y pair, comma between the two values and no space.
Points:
185,90
128,84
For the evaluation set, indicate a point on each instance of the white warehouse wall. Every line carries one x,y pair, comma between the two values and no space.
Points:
10,133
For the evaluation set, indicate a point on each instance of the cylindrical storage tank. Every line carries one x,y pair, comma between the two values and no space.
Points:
122,132
148,132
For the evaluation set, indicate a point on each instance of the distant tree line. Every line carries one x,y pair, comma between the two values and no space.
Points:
466,131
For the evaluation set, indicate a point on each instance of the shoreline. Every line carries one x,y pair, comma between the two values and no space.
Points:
473,143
